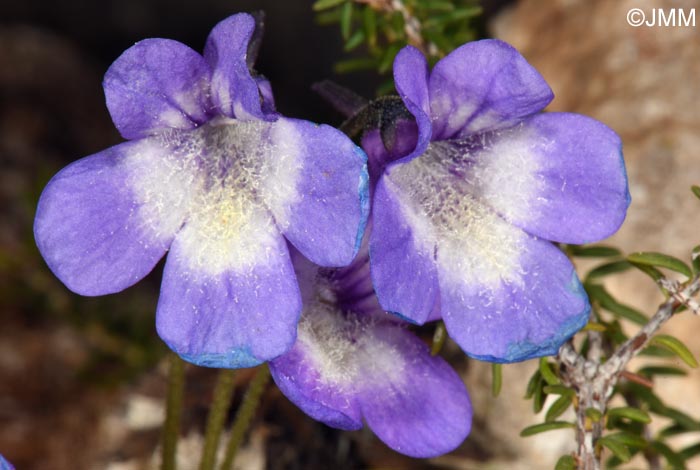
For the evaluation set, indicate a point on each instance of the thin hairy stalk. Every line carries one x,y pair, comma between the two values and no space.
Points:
173,411
245,413
220,405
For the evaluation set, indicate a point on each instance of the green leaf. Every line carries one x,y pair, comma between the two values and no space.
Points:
629,439
660,260
690,452
353,65
615,333
673,459
651,371
593,414
633,414
396,24
559,390
696,259
459,14
388,58
679,418
613,462
565,462
437,5
645,394
677,347
673,430
594,326
618,449
544,427
328,17
439,338
539,397
355,40
599,294
326,4
655,351
696,190
547,373
558,408
496,379
650,271
439,39
370,23
680,308
607,269
346,20
386,88
532,385
594,251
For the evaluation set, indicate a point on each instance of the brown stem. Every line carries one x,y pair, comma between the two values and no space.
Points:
594,382
412,26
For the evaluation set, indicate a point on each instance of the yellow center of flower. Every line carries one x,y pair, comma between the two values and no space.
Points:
219,185
447,195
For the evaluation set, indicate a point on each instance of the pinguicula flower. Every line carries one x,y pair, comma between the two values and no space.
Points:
214,175
353,362
464,220
4,464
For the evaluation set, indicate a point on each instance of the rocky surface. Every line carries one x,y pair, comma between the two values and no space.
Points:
642,82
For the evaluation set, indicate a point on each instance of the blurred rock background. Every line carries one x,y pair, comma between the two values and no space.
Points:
642,82
81,381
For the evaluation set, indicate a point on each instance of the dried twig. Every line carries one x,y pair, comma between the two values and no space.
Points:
594,382
412,26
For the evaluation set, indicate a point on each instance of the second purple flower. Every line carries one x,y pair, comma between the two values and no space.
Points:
464,217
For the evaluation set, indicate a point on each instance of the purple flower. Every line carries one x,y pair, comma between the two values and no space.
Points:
5,465
463,219
353,362
212,174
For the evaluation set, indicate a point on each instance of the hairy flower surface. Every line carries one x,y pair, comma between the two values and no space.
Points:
212,174
464,218
352,361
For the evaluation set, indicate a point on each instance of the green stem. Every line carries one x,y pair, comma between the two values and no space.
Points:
217,415
173,411
496,379
245,414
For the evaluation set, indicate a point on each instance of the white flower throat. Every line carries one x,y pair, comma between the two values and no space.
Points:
223,181
449,194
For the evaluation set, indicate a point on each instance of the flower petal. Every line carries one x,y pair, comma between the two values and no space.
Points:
378,156
266,95
481,86
412,400
103,222
5,465
485,265
317,190
402,265
301,380
157,84
229,296
526,311
558,176
234,91
411,78
345,367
